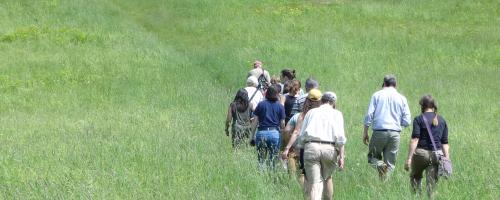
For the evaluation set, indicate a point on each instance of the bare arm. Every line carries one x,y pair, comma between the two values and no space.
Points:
366,138
412,147
411,151
294,136
446,151
341,157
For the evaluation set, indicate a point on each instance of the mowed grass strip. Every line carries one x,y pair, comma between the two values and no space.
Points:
126,99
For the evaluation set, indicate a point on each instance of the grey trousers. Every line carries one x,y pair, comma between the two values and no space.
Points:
383,148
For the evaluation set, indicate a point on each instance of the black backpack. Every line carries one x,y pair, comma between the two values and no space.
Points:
263,84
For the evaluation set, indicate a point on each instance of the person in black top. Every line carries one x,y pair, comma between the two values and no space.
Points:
420,154
290,99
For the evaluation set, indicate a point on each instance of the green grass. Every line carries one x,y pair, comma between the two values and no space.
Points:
121,99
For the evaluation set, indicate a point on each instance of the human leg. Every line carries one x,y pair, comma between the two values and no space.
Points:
237,136
328,188
375,149
312,167
273,146
420,161
391,149
432,176
328,165
302,171
292,163
261,146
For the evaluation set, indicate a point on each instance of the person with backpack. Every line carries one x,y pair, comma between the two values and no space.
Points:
262,75
422,152
238,117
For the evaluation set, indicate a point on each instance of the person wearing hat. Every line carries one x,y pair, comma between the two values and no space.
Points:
312,101
388,112
259,71
322,133
254,95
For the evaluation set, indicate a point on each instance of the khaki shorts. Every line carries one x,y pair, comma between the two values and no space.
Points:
320,161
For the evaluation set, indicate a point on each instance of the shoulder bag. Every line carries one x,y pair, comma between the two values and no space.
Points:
444,168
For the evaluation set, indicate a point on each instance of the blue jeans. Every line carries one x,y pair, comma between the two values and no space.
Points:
268,144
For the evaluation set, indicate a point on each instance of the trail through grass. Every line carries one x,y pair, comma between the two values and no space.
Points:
126,99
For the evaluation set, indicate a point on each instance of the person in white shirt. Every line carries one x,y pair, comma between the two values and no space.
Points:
255,96
323,137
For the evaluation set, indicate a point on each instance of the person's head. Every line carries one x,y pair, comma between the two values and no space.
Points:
389,81
427,102
294,87
313,100
311,84
241,100
252,81
272,93
329,98
275,80
287,74
277,86
257,64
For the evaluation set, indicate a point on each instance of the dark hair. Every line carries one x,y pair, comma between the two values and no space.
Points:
272,93
427,102
389,80
308,105
288,73
241,100
311,83
294,86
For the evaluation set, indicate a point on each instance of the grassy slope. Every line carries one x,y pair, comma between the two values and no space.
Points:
120,99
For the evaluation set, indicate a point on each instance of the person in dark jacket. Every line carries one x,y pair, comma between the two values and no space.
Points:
421,155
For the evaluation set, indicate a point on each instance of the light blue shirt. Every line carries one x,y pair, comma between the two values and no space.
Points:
388,110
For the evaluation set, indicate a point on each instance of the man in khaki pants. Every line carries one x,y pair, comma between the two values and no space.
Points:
321,134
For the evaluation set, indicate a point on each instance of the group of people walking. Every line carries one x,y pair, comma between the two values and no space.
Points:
306,129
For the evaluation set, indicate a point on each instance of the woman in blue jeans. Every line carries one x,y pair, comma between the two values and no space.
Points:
270,116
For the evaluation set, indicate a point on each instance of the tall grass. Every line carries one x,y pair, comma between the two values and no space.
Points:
126,99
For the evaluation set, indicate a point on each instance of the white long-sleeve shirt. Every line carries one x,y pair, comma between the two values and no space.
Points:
323,124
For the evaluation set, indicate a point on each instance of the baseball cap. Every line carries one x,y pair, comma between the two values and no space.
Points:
314,95
329,96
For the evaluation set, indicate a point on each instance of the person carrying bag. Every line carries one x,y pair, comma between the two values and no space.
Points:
429,149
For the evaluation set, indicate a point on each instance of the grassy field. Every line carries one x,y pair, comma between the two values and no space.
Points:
122,99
